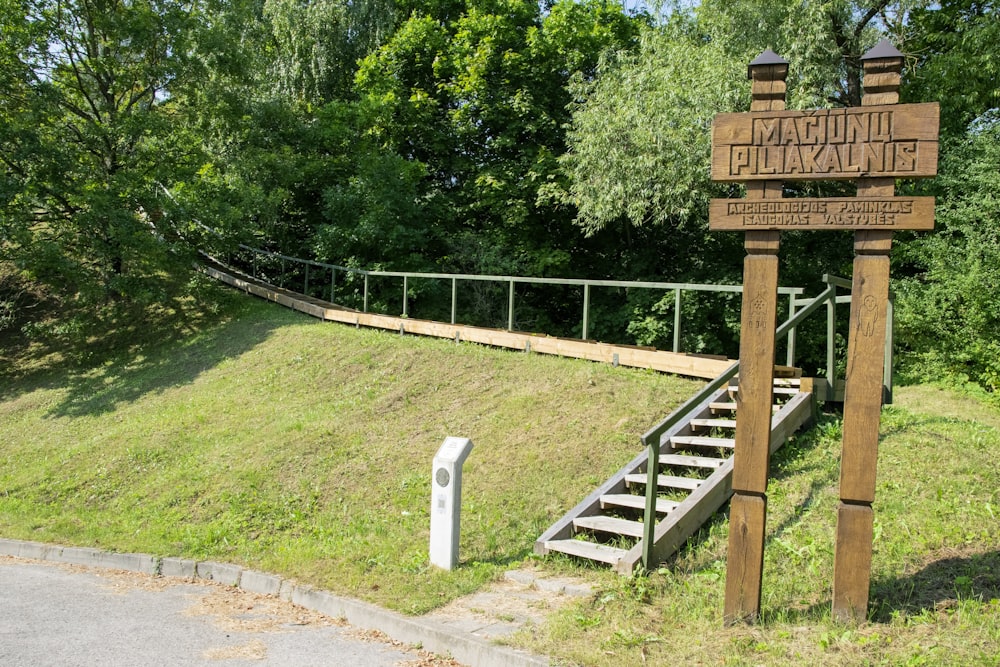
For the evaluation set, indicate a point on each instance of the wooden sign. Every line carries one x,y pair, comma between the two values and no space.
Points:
898,141
870,145
833,213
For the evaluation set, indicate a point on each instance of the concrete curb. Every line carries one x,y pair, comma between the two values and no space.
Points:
428,634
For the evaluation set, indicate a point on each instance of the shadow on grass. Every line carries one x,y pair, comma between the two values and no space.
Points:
139,355
937,586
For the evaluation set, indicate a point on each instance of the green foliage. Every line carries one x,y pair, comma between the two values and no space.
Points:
639,145
480,100
955,61
498,136
93,128
316,44
648,115
948,311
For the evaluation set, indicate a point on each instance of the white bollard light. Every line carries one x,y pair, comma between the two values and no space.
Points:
446,501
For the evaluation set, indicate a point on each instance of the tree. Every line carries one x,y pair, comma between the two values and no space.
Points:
948,312
316,45
954,60
639,145
94,131
480,99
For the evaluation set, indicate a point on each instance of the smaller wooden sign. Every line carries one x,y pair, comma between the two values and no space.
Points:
833,213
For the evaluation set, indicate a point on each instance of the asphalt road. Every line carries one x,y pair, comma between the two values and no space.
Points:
53,614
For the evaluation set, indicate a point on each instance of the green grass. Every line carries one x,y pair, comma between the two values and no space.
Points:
935,595
258,436
269,439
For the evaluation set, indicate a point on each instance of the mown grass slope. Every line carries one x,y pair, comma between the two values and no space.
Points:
258,436
270,439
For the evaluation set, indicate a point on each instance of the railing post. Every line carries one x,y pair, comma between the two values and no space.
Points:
649,513
677,320
281,283
510,307
406,287
790,352
831,343
890,316
364,307
306,292
454,298
586,309
333,284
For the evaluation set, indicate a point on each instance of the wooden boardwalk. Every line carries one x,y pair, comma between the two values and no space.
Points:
687,365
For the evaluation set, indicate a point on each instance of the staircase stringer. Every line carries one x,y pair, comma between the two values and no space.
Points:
675,529
563,528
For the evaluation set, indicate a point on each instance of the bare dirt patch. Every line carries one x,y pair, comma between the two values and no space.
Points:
235,610
423,659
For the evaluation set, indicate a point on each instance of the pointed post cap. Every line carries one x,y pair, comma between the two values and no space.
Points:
768,57
883,50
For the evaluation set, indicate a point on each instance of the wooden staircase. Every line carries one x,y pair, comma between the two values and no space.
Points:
696,444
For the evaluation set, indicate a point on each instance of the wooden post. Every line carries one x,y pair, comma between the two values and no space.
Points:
866,353
873,145
748,508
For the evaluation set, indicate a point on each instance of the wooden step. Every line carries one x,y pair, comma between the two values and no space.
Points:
713,423
590,550
778,382
635,502
730,406
780,391
609,524
691,461
665,481
680,441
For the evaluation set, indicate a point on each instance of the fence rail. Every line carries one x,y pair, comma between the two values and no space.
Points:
798,308
511,281
653,439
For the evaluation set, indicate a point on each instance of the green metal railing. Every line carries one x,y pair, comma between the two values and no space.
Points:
653,439
511,281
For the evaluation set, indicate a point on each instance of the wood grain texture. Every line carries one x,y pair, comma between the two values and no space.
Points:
748,513
863,392
635,357
678,526
826,214
744,572
852,562
899,141
757,346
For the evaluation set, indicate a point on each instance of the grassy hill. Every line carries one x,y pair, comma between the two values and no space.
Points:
256,435
274,440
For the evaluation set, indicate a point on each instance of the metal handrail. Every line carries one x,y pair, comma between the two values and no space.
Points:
652,439
587,284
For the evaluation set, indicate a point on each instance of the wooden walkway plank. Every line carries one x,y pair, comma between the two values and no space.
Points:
713,423
681,441
659,360
563,527
684,461
678,526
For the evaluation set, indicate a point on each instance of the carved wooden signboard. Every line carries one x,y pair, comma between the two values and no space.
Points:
871,145
826,144
835,213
